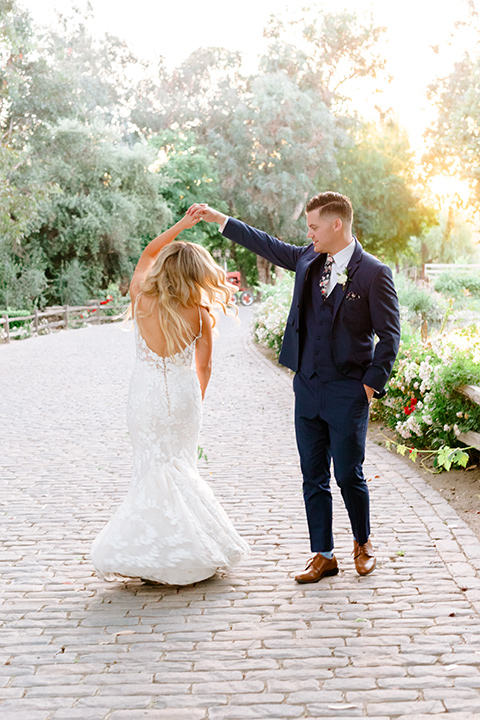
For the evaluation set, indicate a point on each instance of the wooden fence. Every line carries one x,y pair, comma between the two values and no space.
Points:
471,438
57,317
433,270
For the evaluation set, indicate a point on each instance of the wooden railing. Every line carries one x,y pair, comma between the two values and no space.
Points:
433,270
56,317
471,438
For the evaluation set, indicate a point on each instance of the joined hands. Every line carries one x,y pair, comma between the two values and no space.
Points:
202,211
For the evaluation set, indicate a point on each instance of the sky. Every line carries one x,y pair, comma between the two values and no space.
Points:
174,29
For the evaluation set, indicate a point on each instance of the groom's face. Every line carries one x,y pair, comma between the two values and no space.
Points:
321,231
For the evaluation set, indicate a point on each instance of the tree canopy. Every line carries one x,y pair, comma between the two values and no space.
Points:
100,151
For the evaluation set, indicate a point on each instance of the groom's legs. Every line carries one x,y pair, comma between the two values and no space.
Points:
347,416
313,444
313,448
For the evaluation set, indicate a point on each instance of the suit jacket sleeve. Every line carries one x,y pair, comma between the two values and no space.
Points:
274,250
385,316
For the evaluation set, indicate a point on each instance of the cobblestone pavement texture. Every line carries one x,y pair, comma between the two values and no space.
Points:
401,643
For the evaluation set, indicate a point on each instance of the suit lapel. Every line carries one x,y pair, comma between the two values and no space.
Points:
352,268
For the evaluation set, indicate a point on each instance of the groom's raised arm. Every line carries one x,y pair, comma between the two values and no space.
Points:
272,249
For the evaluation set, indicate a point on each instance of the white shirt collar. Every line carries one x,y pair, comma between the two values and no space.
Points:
342,257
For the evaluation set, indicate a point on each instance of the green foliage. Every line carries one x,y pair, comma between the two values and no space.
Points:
324,51
451,240
95,163
16,313
71,283
118,303
376,172
458,284
443,458
421,304
454,137
107,205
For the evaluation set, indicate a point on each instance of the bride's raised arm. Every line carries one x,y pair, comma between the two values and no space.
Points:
151,251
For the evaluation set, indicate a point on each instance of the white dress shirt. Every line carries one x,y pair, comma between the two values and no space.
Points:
340,262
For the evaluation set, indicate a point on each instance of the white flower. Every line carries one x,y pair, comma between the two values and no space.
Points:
413,425
456,430
446,428
342,278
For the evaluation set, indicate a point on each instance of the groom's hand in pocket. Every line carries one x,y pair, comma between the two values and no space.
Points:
368,392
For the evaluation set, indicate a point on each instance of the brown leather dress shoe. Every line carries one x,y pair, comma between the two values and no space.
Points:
364,556
317,568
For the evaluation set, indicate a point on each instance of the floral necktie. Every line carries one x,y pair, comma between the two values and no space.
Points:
324,280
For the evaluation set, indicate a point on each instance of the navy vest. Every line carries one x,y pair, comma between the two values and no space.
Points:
316,356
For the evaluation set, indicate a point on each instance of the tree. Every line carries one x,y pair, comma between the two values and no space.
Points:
377,174
107,205
454,137
268,157
329,51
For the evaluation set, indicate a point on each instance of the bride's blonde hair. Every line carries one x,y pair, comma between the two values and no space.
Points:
184,275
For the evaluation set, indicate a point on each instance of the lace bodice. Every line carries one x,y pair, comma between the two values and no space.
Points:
150,357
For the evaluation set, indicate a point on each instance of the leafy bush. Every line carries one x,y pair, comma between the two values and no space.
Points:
421,304
271,314
118,303
12,312
71,283
458,285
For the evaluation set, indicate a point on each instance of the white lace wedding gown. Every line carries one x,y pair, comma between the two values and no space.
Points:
170,528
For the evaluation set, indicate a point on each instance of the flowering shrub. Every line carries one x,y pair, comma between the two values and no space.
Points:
424,404
271,314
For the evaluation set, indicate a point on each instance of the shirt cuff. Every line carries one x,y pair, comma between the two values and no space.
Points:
223,225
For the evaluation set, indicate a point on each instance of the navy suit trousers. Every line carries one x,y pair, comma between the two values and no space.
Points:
331,420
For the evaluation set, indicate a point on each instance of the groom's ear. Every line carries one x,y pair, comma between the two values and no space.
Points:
337,224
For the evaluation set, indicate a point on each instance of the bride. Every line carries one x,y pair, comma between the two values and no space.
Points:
170,528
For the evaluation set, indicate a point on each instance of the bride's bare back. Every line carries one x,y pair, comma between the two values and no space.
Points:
147,317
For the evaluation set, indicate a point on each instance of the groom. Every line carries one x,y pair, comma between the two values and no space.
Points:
343,297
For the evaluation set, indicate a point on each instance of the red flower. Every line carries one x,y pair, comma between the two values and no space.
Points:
409,409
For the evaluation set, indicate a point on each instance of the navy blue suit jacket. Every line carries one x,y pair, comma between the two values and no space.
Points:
367,306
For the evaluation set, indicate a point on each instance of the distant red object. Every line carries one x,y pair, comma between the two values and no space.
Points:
102,302
246,295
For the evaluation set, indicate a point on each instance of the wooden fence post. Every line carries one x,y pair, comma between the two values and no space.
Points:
7,327
35,320
98,312
66,317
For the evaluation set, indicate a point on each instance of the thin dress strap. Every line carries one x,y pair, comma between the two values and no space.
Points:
200,321
135,305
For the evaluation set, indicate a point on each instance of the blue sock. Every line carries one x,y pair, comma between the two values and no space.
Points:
327,554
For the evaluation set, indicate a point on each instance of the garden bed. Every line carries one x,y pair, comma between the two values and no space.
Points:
459,487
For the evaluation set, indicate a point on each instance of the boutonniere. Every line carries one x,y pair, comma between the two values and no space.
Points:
344,278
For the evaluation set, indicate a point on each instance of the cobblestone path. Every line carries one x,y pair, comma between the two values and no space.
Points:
403,642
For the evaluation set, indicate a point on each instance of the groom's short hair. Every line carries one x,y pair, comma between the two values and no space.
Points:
332,203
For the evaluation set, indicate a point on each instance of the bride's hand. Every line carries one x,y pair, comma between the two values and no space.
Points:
203,212
188,221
